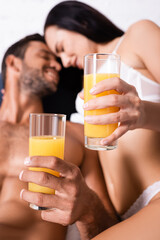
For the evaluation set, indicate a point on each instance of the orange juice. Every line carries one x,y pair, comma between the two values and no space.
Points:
45,146
98,131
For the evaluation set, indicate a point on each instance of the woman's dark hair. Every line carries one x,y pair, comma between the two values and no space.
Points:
79,17
18,49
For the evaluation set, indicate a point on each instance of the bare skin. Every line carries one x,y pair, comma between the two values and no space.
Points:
134,165
136,160
67,195
26,218
134,112
23,222
134,52
130,152
17,220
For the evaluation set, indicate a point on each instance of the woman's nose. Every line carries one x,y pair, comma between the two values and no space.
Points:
66,61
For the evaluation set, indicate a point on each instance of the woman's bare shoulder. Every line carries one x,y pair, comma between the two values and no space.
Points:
142,35
141,29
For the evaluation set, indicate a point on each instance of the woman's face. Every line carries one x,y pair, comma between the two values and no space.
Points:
70,46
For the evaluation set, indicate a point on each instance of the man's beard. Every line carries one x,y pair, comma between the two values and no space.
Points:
34,83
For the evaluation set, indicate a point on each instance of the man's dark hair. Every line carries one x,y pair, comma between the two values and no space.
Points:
18,49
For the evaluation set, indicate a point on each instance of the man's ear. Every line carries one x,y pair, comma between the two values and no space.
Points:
14,62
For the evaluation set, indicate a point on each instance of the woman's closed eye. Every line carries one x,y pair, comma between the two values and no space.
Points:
59,49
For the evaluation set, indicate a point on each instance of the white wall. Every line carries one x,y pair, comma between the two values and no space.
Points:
22,17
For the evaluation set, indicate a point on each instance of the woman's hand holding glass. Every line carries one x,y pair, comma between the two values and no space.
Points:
132,110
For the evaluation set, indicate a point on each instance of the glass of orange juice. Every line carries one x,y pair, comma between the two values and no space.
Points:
98,67
47,138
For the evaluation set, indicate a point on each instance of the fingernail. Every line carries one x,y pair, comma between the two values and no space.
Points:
21,193
20,175
85,105
93,90
27,161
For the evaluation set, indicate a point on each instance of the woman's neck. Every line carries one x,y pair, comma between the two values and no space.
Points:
108,47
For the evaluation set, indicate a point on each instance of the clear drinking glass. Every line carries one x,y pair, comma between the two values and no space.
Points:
98,67
47,138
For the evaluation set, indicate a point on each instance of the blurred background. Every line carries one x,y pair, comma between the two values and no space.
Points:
21,17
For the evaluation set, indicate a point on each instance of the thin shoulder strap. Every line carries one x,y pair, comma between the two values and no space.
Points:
118,44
